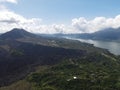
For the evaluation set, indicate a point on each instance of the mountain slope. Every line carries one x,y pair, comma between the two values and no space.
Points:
106,34
16,33
93,72
21,35
21,59
110,34
21,52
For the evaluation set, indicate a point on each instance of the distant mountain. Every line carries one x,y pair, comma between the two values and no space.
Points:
16,34
106,34
23,35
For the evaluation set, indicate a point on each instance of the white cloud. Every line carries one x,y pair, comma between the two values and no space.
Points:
9,1
2,7
96,24
54,28
10,20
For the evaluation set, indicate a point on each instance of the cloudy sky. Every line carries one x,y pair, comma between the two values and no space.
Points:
59,16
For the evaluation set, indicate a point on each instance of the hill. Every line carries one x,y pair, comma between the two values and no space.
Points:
93,72
32,62
21,51
16,33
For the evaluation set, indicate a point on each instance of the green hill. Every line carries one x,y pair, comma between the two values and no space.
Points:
31,62
93,72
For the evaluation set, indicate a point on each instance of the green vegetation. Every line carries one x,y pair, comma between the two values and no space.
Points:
92,72
16,53
29,62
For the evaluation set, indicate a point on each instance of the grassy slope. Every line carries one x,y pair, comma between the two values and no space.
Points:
93,72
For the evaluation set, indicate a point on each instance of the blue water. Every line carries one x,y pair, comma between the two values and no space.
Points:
113,47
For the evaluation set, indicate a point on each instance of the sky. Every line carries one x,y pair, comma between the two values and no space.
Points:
59,16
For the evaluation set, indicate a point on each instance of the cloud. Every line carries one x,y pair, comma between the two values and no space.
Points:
9,1
98,23
10,20
2,7
53,29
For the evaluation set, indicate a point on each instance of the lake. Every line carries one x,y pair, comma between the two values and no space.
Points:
113,47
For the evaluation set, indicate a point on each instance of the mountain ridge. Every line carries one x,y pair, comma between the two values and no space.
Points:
105,34
110,34
16,33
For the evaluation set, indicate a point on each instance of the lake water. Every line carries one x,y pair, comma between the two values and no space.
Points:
113,47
